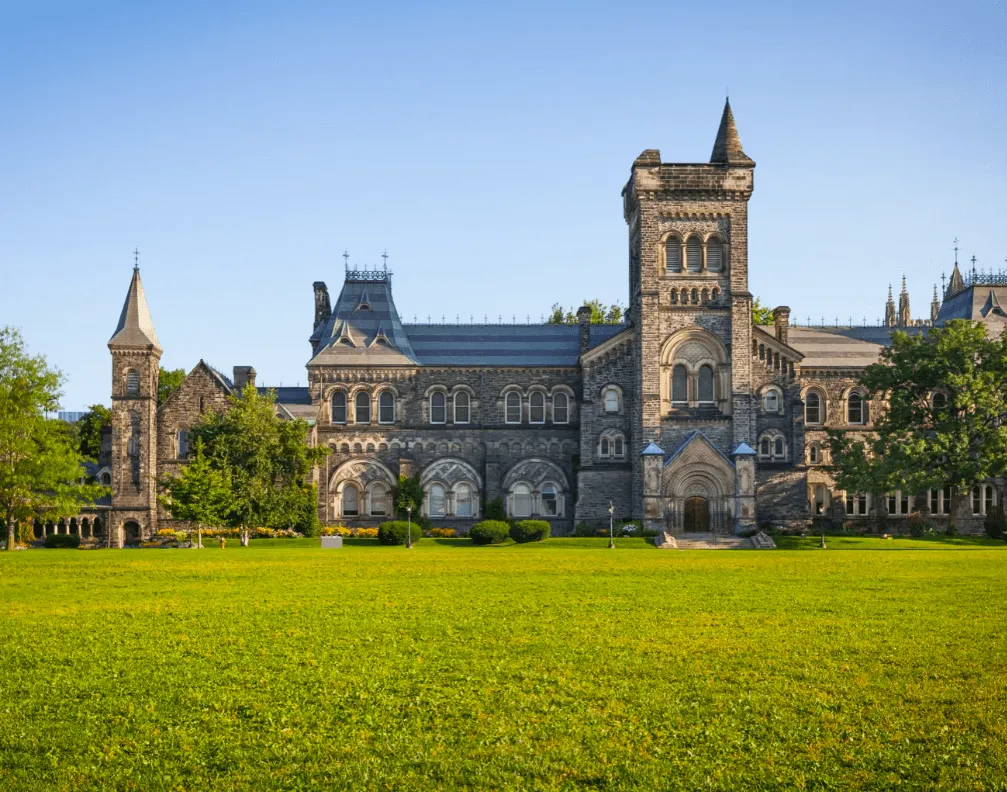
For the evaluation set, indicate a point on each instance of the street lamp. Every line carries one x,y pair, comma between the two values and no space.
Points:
611,533
409,527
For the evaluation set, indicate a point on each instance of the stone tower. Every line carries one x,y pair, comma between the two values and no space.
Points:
692,312
136,355
905,317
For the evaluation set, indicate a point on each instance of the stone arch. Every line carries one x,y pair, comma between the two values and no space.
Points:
535,471
449,471
693,348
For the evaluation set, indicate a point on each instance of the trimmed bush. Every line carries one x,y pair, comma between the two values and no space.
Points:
996,529
62,540
529,531
394,532
495,510
489,532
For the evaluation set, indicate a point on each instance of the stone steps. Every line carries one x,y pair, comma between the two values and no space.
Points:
709,541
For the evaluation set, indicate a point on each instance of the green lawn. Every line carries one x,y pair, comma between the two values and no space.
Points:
875,664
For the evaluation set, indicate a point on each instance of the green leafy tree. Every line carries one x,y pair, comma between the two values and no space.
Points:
409,495
89,429
267,461
600,313
943,425
761,315
168,381
40,465
199,495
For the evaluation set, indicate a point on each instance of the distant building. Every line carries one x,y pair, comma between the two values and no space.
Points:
70,417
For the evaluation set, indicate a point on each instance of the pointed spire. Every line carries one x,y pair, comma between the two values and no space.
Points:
135,328
727,148
890,308
905,317
956,284
935,306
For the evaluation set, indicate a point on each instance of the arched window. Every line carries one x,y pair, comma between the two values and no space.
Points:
611,400
183,444
976,500
762,351
550,500
694,254
764,450
778,449
604,448
512,408
436,501
463,501
771,401
814,454
989,500
939,401
812,408
339,407
674,296
351,500
106,479
714,255
694,297
704,296
705,385
618,448
560,408
521,501
363,408
438,408
685,296
679,385
715,294
856,409
386,407
461,407
132,383
379,500
536,404
673,254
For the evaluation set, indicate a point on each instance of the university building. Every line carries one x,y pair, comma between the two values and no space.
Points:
687,416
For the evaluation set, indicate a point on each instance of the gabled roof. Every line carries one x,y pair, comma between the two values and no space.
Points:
727,148
696,437
652,449
135,328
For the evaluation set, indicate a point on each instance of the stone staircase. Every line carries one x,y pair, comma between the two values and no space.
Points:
711,541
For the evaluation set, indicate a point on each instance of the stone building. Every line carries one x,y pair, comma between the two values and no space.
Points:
688,416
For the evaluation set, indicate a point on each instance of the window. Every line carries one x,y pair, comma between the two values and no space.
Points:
106,479
679,385
512,409
351,501
976,500
714,255
339,407
462,407
939,401
521,500
778,449
673,254
463,501
898,503
856,503
705,385
694,254
771,401
363,407
380,502
764,448
812,408
611,400
436,501
560,408
550,501
989,501
814,454
694,296
132,383
819,499
618,448
856,410
438,408
386,407
536,404
605,448
183,444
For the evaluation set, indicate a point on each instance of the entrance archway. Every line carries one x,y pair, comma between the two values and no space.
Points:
132,529
697,515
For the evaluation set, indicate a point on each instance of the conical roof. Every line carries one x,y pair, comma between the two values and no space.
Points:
727,148
957,283
135,328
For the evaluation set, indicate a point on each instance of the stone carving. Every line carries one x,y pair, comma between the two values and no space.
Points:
450,472
535,472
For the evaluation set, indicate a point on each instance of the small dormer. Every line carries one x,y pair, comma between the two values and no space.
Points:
364,303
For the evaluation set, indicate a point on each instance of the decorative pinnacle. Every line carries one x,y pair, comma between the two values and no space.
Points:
956,250
136,257
346,260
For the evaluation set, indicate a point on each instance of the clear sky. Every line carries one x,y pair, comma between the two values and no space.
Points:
244,145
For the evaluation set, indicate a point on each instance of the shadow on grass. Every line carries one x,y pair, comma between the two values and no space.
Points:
841,542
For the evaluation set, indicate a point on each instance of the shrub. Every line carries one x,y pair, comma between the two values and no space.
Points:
584,529
629,528
369,533
917,524
394,532
62,540
995,528
529,531
495,510
443,533
490,532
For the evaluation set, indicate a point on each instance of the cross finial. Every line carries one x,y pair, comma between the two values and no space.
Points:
385,257
136,257
346,260
956,250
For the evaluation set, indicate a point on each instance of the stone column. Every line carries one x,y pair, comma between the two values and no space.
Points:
653,465
744,493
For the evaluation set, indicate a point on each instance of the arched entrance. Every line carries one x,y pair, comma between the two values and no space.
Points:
697,515
132,530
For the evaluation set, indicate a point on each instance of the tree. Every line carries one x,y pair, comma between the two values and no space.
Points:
200,494
168,381
761,315
41,468
600,313
267,461
944,422
89,429
408,495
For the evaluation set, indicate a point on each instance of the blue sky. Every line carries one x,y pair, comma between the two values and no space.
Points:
244,146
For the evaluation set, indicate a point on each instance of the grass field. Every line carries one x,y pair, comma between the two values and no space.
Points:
871,665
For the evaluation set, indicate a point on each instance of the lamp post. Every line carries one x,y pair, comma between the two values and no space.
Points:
409,527
611,530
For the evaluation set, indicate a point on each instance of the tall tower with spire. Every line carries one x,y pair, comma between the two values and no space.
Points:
935,306
890,318
136,354
905,315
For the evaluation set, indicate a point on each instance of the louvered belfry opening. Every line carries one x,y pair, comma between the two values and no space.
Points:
673,254
714,255
694,254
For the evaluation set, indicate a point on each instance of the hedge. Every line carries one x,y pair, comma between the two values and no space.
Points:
62,540
529,531
394,532
489,532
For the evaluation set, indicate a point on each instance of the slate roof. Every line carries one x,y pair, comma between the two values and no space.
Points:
135,328
293,401
975,303
842,347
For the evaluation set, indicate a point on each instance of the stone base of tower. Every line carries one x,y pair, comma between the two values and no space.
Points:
131,526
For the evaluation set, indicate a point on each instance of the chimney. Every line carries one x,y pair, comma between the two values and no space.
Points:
781,318
322,307
243,375
584,320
